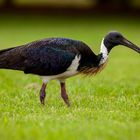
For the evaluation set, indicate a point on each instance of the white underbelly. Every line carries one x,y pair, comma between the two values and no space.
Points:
60,77
71,71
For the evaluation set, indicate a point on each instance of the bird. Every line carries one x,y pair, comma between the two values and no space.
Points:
61,58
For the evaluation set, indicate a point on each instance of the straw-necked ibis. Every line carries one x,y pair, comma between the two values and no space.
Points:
60,58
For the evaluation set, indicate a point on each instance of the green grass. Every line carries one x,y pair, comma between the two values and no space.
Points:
103,107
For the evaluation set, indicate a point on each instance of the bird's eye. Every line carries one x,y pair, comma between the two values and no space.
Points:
117,36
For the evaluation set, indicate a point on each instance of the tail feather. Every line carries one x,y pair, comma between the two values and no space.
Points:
4,58
11,59
5,50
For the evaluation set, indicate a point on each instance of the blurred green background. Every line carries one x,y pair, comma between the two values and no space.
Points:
76,3
92,5
104,107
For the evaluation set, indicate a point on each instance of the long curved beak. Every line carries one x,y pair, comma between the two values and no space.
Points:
130,45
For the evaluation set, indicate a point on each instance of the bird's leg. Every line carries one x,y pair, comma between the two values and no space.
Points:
43,93
64,94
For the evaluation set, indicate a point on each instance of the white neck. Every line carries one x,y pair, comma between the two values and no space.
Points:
104,52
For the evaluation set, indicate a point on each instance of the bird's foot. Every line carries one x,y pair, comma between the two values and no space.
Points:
67,103
42,94
65,98
64,94
42,98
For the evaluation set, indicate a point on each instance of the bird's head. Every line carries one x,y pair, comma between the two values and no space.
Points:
114,38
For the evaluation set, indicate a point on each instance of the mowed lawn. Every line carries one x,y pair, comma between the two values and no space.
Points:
103,107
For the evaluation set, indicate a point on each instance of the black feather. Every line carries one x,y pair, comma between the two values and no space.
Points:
46,57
